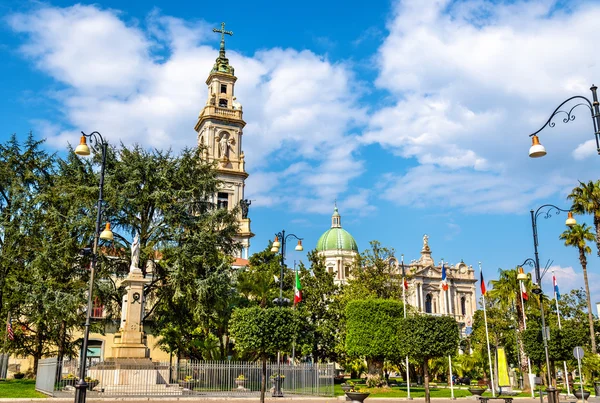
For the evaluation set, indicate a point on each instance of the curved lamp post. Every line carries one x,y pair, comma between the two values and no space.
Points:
547,210
538,150
83,150
275,248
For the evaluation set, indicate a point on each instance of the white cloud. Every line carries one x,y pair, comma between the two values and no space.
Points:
146,85
471,80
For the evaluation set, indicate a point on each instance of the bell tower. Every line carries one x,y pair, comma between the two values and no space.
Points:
220,128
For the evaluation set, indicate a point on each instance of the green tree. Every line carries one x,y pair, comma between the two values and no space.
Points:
578,236
373,276
371,331
586,199
560,343
257,281
322,306
424,337
167,200
262,333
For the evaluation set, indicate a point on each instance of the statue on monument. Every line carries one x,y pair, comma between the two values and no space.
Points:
425,240
135,253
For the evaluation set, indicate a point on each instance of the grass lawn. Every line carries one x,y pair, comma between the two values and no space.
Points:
19,388
400,391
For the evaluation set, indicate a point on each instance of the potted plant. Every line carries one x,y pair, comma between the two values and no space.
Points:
477,390
69,380
346,387
577,393
240,381
355,395
92,383
19,375
188,382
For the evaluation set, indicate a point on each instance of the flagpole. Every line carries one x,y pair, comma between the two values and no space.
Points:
451,380
487,336
404,305
531,386
556,297
447,304
294,307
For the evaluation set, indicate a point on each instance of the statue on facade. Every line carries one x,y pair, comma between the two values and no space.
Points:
425,240
135,253
224,146
245,203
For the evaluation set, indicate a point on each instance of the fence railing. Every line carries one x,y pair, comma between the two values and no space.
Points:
207,378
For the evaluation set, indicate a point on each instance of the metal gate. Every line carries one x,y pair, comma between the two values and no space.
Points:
192,378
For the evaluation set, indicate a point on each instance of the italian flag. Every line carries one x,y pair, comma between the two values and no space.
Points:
298,293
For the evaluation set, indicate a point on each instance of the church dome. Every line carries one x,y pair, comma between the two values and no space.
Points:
336,238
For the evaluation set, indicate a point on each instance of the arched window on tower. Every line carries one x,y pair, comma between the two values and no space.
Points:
463,306
346,271
222,103
428,303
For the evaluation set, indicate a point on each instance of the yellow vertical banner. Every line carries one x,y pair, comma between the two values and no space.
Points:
502,368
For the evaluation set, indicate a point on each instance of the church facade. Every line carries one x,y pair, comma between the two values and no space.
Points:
426,292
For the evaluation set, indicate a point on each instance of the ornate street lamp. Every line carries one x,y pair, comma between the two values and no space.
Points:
552,398
83,150
275,248
538,150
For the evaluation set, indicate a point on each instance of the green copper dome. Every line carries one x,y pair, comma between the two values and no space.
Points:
336,237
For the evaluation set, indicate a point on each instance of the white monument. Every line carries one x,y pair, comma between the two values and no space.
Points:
130,369
129,340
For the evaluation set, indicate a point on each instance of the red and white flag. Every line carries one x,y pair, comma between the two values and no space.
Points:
298,292
524,292
9,330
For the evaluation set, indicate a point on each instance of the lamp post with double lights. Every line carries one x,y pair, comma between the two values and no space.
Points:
537,149
275,248
83,150
547,210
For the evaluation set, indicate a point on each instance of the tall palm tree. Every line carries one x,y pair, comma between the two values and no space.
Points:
586,199
507,292
578,236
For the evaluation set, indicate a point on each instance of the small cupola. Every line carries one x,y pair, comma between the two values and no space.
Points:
336,219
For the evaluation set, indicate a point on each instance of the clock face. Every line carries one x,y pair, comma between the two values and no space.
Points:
462,269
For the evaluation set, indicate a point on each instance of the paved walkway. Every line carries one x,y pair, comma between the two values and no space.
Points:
269,399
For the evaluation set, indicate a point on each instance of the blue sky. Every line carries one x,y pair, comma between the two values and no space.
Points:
412,114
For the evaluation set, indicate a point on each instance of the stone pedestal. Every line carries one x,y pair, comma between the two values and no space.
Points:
130,341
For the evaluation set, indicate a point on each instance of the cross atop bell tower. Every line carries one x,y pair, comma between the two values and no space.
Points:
219,129
222,63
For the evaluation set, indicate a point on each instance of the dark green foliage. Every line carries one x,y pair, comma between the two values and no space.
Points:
423,337
373,276
560,344
322,305
263,332
372,328
426,336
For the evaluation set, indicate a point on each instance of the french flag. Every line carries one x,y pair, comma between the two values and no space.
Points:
444,282
556,293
